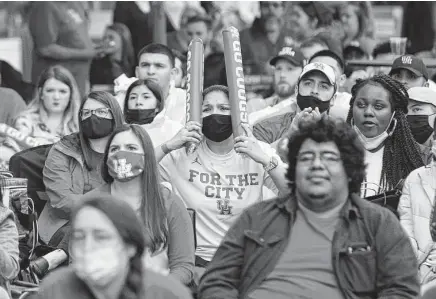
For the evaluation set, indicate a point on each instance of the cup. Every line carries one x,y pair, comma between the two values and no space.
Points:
398,45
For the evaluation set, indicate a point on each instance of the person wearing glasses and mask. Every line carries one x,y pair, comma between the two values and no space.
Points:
73,165
216,181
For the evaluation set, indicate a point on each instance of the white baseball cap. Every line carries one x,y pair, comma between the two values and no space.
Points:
320,67
423,95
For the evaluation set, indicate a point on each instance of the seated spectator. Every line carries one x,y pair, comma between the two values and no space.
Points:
421,112
167,222
61,37
321,240
415,210
115,56
137,16
216,181
410,71
144,105
12,104
288,65
200,26
73,165
157,62
309,18
383,52
9,264
180,65
316,90
377,113
341,102
354,51
311,46
264,39
179,40
107,245
53,113
355,20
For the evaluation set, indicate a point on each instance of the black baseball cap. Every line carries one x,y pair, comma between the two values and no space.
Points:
293,55
411,63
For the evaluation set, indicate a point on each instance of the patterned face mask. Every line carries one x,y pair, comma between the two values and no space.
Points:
125,166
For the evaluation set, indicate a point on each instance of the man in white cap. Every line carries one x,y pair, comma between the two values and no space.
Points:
421,114
315,91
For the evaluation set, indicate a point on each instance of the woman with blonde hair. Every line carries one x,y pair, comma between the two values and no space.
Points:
53,113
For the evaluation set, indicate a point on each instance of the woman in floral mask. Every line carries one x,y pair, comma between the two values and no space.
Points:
107,245
130,172
216,181
72,167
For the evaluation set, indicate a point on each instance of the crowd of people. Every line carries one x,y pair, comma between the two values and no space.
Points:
280,211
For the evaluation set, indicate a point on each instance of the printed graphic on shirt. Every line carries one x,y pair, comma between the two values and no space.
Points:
231,186
123,169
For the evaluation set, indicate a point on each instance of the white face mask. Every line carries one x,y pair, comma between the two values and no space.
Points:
99,267
371,143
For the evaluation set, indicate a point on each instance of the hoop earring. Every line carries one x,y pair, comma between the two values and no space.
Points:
394,127
352,122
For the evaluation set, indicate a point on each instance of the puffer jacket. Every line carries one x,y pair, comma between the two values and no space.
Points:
66,179
416,203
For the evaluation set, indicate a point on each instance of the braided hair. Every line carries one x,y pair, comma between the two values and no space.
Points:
401,153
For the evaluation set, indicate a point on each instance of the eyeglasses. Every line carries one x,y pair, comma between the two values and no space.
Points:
325,158
100,112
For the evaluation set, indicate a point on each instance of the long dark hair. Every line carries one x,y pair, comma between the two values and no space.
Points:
109,101
131,231
128,54
401,153
150,84
152,209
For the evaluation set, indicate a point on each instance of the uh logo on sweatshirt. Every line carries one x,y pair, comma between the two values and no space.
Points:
223,188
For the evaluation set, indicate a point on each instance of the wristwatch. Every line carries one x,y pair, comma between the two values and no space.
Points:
273,163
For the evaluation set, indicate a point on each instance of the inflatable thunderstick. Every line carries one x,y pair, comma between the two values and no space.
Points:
23,140
235,79
194,85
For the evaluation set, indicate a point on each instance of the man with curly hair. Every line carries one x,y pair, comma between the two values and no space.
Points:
320,241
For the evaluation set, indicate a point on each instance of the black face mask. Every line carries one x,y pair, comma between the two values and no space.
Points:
420,127
217,127
140,116
95,127
312,102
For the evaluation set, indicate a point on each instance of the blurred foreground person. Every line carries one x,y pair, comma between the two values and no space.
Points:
321,240
107,244
9,266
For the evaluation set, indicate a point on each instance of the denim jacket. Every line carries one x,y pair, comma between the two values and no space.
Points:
254,244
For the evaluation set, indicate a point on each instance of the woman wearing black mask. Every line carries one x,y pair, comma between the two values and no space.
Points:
73,165
144,106
216,181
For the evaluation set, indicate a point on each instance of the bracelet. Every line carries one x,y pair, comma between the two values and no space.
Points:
165,148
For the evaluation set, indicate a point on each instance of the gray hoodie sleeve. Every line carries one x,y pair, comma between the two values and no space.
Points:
9,252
